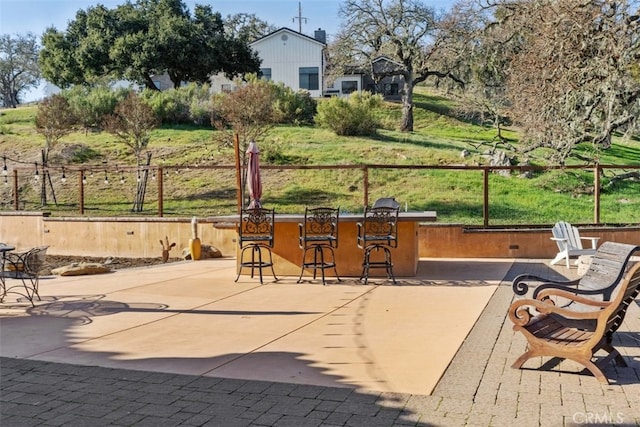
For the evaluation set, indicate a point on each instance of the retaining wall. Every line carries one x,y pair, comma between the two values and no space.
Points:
134,237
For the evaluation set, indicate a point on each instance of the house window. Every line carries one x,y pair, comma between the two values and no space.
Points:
309,78
226,88
349,86
265,73
390,89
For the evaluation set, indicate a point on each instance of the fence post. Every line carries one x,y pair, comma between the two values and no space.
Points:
81,186
596,194
16,201
160,177
485,194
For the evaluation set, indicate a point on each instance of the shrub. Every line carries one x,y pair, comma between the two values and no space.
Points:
189,104
91,105
297,108
166,106
354,115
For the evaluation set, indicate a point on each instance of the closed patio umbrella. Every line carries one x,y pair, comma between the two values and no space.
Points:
254,184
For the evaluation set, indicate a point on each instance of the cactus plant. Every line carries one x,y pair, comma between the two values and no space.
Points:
195,248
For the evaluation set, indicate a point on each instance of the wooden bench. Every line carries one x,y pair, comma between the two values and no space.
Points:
574,334
607,267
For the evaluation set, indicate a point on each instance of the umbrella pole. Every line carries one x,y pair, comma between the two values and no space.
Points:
236,147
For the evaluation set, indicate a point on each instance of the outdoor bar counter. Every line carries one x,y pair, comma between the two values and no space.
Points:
287,255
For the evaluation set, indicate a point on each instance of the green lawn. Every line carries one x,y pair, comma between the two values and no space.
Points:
192,186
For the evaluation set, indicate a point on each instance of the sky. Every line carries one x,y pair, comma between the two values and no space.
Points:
21,16
35,16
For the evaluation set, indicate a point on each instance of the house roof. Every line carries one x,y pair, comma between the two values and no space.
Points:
363,69
289,31
386,59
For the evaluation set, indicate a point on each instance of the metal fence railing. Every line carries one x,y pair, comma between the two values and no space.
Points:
464,194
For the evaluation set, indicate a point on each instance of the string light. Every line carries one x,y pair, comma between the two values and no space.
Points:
86,175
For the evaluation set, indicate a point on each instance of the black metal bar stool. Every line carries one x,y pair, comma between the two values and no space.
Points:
255,234
319,234
378,232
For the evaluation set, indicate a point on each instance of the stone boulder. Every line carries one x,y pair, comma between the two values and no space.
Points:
80,269
206,251
499,158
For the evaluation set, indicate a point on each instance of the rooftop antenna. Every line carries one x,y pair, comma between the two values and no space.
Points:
300,18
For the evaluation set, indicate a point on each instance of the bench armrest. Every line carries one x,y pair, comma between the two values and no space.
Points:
520,283
520,315
547,293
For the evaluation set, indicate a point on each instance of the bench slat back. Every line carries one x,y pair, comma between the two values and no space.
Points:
628,295
608,266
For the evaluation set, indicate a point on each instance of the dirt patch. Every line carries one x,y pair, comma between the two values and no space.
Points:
55,261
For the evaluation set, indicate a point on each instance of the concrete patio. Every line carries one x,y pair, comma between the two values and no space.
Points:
182,344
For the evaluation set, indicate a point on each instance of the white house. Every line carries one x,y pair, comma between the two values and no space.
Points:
344,85
299,62
294,59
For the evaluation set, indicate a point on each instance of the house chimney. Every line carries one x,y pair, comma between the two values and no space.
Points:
320,35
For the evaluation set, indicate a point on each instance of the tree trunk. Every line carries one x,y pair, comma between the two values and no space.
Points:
175,79
46,179
149,84
43,187
407,107
141,186
14,98
9,98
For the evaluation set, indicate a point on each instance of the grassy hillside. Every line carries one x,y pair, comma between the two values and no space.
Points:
194,188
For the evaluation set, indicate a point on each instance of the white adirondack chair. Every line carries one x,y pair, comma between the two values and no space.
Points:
570,243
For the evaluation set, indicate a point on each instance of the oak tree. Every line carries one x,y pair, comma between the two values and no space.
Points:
19,70
247,26
137,41
401,30
566,72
